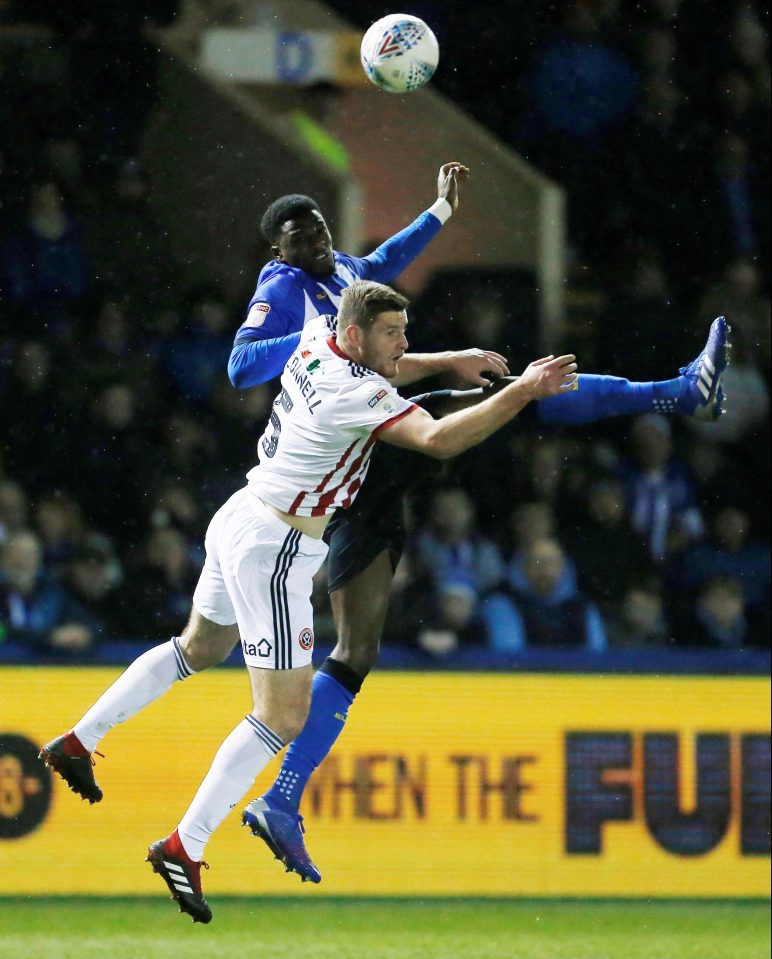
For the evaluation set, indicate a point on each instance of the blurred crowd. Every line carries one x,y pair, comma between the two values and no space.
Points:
120,433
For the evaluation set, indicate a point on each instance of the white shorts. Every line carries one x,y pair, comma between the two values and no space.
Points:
258,574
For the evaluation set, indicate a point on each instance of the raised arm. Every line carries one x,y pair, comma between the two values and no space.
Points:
460,431
398,252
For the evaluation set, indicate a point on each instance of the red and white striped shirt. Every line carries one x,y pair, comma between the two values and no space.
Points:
315,451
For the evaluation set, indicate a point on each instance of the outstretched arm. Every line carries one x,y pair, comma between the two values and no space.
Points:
460,431
398,252
470,365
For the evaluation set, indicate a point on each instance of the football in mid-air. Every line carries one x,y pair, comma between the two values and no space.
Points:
399,53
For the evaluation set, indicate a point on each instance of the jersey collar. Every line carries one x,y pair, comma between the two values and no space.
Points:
337,350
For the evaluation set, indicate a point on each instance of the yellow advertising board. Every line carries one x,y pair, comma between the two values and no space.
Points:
446,784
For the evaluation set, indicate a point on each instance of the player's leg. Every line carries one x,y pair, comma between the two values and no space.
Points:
280,705
359,608
268,568
145,680
208,639
697,391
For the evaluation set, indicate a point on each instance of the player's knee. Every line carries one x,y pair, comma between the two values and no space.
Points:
360,656
206,644
288,719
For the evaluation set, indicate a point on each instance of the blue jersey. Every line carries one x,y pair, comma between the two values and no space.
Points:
286,298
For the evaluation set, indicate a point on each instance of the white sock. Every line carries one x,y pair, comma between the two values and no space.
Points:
240,759
143,682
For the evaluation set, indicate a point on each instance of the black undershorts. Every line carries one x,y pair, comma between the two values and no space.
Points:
376,520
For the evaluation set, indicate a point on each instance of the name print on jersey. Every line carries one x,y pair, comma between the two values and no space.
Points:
302,377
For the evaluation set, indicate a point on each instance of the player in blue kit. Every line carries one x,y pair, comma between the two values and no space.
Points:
307,276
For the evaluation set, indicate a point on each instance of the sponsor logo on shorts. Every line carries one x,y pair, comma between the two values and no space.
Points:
306,638
258,314
263,649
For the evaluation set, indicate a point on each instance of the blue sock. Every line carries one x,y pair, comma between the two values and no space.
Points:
601,397
329,707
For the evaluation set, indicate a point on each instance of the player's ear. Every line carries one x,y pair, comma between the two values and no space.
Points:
354,335
276,252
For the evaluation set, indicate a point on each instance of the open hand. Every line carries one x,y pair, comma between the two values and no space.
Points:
450,176
471,364
550,376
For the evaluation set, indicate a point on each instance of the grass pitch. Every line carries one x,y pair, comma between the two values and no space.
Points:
88,928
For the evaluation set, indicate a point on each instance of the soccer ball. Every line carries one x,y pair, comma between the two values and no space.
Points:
399,53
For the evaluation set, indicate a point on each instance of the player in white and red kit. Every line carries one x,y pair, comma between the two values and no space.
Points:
265,545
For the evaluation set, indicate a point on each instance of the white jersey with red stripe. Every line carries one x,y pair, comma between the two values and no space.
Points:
315,451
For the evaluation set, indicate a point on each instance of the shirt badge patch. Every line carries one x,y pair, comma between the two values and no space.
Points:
384,399
321,296
257,314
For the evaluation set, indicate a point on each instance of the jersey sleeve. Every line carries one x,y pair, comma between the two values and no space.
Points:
372,407
398,252
270,333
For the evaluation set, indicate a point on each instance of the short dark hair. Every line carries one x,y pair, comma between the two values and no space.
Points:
364,300
282,210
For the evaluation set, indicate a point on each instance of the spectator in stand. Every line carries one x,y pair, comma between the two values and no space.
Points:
529,523
718,618
750,46
639,620
35,609
114,436
59,523
642,329
450,620
578,87
112,352
647,191
449,544
31,387
607,551
14,509
660,490
544,613
240,416
728,551
161,585
729,221
43,264
190,451
741,112
94,577
197,359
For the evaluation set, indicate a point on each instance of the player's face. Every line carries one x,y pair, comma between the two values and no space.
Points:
384,343
305,243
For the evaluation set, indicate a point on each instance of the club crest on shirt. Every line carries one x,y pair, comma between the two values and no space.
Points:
385,399
257,314
306,638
